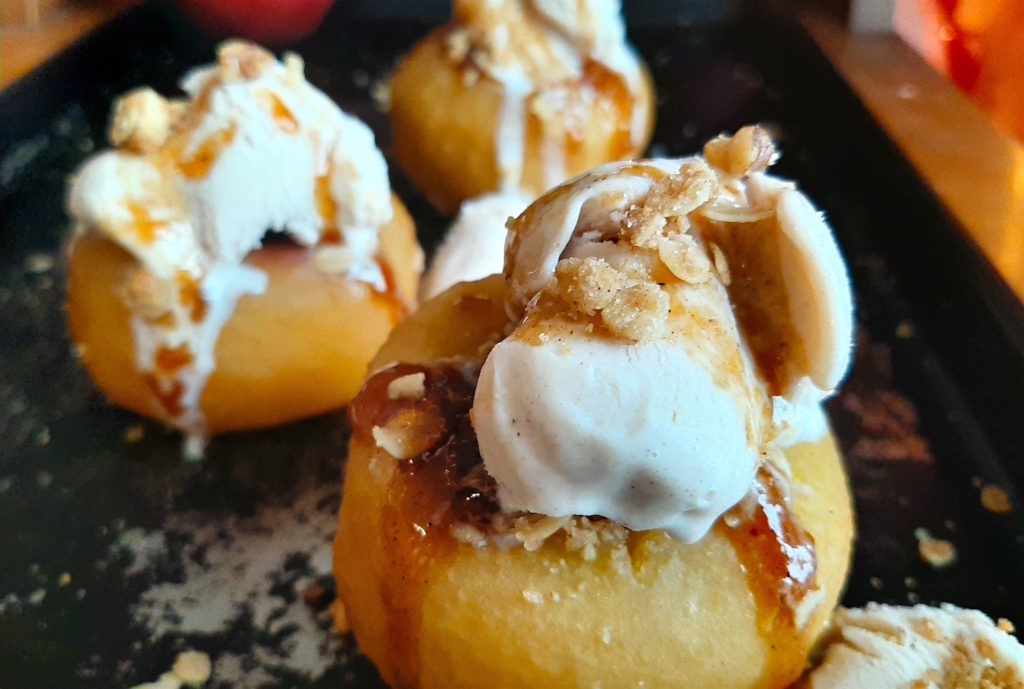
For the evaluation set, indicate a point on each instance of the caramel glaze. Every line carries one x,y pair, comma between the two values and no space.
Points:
760,299
430,492
389,297
780,561
446,484
610,87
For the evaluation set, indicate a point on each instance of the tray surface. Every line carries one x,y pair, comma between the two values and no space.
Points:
116,554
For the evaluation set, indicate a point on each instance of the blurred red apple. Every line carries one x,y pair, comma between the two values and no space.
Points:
264,21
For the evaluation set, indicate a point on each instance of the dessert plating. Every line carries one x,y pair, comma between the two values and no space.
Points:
619,451
170,225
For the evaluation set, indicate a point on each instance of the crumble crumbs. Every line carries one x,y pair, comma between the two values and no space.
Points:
749,150
142,121
238,59
937,552
410,386
995,499
191,669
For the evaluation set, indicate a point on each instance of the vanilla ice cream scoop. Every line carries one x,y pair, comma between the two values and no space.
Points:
193,186
891,647
678,319
475,244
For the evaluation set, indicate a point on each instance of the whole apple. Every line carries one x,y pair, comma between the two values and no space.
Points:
264,21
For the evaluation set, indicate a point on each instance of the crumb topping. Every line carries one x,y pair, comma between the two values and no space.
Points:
409,386
624,273
143,120
749,150
190,669
996,500
888,647
937,552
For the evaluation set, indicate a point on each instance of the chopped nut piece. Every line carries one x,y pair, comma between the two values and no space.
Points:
408,434
749,150
936,552
1005,625
721,264
142,121
334,260
685,259
588,284
638,312
409,386
295,67
241,59
995,500
192,667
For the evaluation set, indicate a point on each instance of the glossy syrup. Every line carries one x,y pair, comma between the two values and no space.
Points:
430,492
780,561
390,297
445,485
760,298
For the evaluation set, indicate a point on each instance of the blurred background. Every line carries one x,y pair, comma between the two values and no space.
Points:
975,43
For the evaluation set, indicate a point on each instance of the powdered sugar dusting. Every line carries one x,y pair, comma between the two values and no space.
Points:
209,575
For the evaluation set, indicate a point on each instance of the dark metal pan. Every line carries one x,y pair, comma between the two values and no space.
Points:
106,537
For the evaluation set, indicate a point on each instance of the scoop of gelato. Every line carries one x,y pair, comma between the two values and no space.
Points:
679,320
193,186
475,244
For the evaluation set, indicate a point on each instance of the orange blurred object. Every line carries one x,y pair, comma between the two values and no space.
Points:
979,44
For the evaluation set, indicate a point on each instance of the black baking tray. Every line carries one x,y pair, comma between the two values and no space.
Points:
95,521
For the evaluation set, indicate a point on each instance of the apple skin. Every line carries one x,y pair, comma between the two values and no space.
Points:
264,21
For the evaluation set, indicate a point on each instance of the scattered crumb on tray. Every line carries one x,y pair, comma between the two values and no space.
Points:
905,330
380,92
937,552
270,573
889,422
39,263
134,433
191,669
995,499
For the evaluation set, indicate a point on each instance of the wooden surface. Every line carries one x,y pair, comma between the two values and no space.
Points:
975,169
23,48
